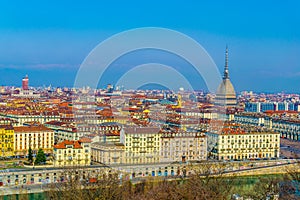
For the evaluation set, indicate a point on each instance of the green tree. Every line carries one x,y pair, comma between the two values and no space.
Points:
40,157
30,157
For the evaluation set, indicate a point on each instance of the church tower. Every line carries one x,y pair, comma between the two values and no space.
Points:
225,95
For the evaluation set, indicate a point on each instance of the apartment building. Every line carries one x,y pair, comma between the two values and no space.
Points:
6,140
243,143
72,153
108,153
25,116
183,146
142,144
34,136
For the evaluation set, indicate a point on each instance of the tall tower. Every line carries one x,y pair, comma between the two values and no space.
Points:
25,81
225,95
226,73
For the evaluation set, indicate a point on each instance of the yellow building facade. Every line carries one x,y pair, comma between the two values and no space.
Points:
6,141
72,153
252,145
141,144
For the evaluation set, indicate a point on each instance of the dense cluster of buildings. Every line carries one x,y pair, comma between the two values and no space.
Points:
80,126
286,123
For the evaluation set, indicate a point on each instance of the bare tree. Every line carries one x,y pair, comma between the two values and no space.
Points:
290,186
210,181
160,190
106,185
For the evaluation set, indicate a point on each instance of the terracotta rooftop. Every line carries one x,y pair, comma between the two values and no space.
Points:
31,129
56,123
62,145
281,112
85,140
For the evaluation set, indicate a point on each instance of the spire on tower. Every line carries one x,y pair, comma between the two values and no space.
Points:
226,73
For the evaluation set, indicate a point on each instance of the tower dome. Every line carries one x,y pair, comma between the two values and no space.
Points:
226,95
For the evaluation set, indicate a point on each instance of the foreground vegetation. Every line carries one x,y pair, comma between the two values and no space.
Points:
198,186
201,185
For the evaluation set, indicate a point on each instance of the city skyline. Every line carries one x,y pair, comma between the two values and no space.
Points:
49,43
150,99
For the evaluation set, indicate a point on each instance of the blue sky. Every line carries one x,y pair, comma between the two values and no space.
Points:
48,40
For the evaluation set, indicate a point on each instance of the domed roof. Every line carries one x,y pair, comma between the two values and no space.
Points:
225,95
226,88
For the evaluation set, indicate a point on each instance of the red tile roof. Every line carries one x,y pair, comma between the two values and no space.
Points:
31,129
85,140
62,145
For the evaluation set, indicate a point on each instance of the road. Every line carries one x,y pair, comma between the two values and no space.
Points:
39,188
289,148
